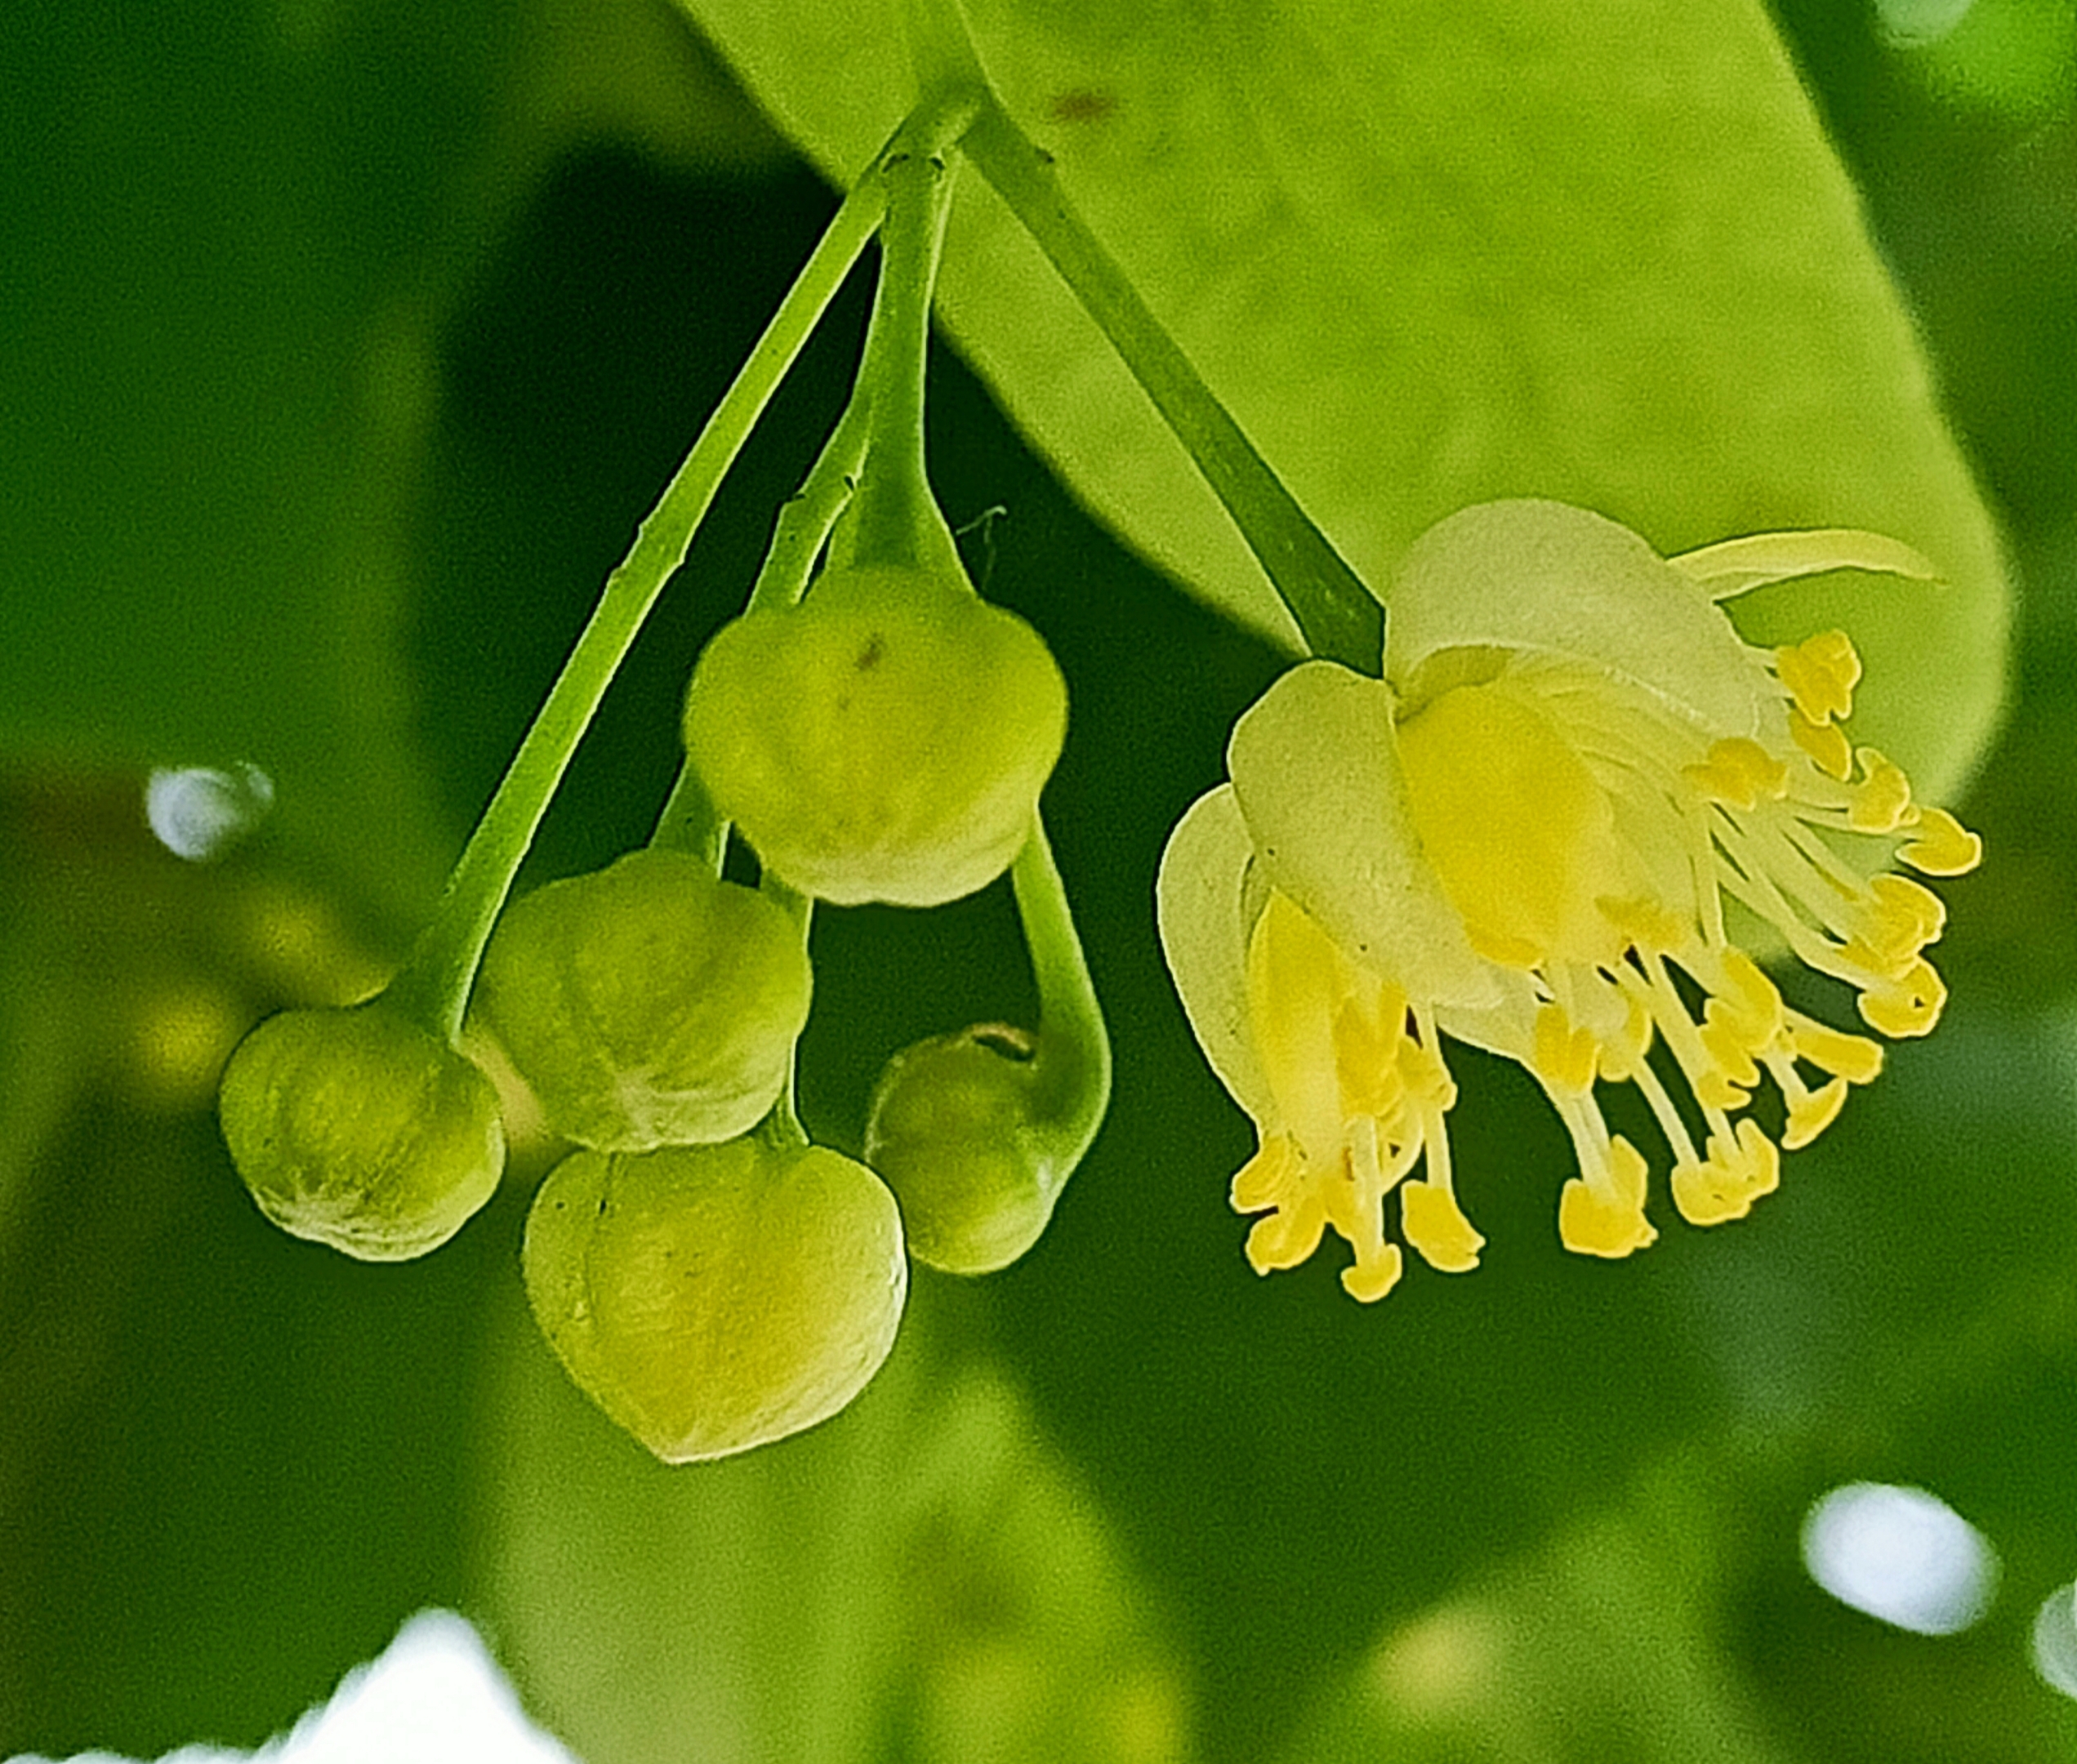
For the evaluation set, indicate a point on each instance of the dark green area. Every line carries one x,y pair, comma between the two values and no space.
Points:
231,1463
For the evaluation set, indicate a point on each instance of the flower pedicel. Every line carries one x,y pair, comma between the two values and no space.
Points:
1573,783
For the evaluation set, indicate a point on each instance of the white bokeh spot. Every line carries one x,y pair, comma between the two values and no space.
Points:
2053,1644
435,1697
1902,1555
199,812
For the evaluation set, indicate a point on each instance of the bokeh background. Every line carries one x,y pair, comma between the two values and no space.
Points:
1125,1500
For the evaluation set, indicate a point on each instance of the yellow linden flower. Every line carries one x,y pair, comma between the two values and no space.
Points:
1545,832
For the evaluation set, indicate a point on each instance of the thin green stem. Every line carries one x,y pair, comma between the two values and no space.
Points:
911,242
1337,615
781,1125
1071,1073
803,523
940,51
434,985
690,822
894,518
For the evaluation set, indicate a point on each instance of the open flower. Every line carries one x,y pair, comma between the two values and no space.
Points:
1547,831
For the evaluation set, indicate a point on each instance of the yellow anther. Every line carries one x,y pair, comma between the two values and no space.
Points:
1563,1056
1606,1217
1624,1052
1699,1192
1739,774
1722,1041
1735,1174
1289,1235
1753,998
1715,1090
1372,1275
1820,673
1825,742
1882,800
1266,1178
1761,1158
1908,1006
1905,911
1882,961
1811,1113
1435,1225
1944,847
1853,1057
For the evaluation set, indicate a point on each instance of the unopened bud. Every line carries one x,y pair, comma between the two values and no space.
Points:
712,1299
359,1129
885,740
647,1003
952,1129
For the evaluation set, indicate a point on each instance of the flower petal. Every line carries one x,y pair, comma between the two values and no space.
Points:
1201,906
1738,566
1317,773
1550,579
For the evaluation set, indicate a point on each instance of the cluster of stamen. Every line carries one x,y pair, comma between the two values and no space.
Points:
1760,823
1868,932
1353,1124
1660,996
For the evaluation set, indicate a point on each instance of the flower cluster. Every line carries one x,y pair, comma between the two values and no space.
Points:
1557,829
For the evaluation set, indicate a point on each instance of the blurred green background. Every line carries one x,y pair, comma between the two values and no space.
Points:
343,343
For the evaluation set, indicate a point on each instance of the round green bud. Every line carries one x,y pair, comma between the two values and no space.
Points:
710,1298
885,740
647,1003
952,1128
359,1129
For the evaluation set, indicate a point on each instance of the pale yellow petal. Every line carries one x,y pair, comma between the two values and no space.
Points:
1199,902
1317,774
1737,566
1548,579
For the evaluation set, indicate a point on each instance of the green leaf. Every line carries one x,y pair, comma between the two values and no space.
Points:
202,514
232,232
1418,252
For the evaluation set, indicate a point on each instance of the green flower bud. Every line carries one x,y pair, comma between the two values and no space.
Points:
954,1130
885,740
710,1298
647,1003
359,1129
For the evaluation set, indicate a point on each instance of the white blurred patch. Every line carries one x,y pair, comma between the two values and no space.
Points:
2054,1642
434,1697
201,812
1901,1555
